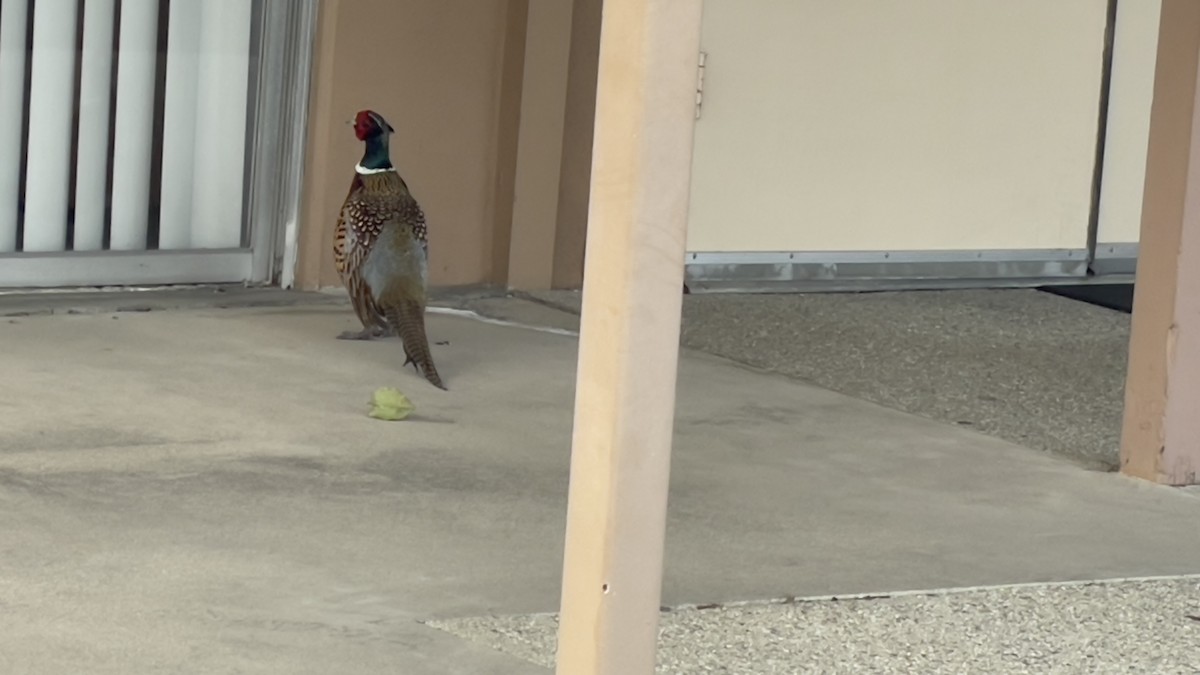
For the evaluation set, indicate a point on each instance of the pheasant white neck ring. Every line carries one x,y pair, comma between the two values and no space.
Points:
364,171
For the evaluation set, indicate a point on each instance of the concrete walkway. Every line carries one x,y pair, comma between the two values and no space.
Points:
1037,369
201,491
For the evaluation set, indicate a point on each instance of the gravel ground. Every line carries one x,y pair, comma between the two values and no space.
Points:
1033,368
1130,626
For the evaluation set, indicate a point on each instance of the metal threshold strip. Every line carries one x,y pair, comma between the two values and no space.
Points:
120,268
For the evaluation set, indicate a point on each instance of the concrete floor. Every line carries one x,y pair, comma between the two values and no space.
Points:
1033,368
201,490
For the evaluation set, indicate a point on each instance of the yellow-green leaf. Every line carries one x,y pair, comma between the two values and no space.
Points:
389,404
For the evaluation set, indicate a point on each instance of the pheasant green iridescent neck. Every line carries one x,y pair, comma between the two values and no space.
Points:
376,157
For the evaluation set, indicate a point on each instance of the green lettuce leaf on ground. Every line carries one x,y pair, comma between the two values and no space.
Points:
390,404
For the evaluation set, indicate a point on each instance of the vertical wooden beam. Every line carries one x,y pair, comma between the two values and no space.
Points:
1161,434
629,340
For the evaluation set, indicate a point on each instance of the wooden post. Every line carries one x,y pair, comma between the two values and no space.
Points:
1161,434
629,339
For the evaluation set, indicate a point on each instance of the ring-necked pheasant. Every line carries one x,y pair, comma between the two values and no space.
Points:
381,252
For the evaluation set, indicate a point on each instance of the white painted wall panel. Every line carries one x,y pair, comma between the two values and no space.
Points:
862,125
1135,52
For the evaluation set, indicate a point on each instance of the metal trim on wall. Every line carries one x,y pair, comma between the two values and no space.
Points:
1119,258
839,270
122,268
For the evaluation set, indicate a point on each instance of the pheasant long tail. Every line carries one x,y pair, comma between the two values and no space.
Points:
408,320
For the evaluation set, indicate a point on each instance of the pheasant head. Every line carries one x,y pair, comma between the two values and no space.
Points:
373,131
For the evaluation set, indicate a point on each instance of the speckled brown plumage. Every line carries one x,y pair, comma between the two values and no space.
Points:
373,320
373,201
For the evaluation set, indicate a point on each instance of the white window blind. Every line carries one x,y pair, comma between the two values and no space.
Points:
124,124
13,28
95,91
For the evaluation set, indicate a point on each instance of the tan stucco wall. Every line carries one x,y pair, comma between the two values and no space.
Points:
436,69
539,144
1158,390
554,160
575,179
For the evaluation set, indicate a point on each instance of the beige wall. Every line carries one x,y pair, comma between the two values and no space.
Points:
554,162
575,180
938,124
493,112
436,69
1135,52
924,124
540,144
507,125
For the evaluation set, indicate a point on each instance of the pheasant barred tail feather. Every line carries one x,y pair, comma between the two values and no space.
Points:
408,319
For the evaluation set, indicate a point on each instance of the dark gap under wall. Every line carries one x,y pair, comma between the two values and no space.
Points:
1111,296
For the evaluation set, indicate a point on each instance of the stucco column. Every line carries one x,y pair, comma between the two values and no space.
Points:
1161,435
629,339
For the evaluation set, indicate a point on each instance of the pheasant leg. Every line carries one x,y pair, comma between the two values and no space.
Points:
372,333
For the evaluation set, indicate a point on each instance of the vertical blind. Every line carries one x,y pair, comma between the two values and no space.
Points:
124,124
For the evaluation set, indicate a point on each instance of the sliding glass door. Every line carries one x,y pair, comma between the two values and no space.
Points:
149,141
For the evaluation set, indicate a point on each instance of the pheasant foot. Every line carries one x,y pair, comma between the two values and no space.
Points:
373,333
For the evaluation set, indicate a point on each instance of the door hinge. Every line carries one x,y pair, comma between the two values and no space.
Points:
700,83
